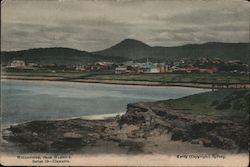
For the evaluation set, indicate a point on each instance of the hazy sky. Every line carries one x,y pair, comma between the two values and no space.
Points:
97,24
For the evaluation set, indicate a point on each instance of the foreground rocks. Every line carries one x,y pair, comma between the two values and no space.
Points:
130,132
183,126
71,135
53,135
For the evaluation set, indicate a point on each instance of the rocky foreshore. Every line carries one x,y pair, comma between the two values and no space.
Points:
207,131
129,132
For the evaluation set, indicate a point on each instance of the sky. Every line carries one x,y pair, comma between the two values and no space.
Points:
93,25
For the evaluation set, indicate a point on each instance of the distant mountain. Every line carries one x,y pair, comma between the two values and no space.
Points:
56,55
129,49
134,49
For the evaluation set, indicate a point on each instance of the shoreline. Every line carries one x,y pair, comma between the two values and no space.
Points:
144,130
102,132
84,117
120,82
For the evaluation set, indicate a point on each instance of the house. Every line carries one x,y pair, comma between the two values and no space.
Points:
154,70
17,64
32,65
102,66
80,68
151,69
121,70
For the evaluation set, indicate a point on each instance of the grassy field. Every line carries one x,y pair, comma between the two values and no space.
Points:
226,104
173,78
65,75
163,78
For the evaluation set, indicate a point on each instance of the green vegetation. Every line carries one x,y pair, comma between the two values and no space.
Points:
175,78
129,49
64,75
59,56
224,104
163,78
134,49
45,74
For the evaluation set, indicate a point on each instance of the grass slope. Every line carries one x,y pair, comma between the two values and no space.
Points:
180,78
222,104
56,55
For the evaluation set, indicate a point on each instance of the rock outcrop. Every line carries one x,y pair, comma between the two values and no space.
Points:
208,131
72,135
130,131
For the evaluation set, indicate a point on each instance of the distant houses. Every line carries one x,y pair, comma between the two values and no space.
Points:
17,64
141,68
121,70
201,65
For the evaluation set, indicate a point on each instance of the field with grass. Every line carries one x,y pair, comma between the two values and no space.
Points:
199,78
64,75
223,104
175,78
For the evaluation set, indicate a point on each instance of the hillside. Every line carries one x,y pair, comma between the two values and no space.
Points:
223,104
129,49
56,55
134,49
214,119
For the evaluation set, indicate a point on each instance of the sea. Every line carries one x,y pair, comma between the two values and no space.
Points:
23,101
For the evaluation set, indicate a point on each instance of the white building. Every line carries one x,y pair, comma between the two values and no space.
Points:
154,70
121,70
17,63
80,68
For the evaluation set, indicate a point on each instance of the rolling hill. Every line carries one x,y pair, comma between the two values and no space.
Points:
130,49
56,55
135,50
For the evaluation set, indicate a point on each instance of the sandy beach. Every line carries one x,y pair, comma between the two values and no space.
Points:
121,82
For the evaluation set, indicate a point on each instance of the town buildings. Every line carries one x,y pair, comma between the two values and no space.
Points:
200,65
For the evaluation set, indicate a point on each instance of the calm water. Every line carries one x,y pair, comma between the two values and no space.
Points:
32,100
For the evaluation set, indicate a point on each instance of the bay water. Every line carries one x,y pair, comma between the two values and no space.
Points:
23,101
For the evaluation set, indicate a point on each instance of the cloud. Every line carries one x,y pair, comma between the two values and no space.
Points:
94,25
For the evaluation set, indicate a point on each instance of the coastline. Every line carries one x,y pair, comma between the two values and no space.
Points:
129,135
129,132
105,139
118,82
84,117
102,134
